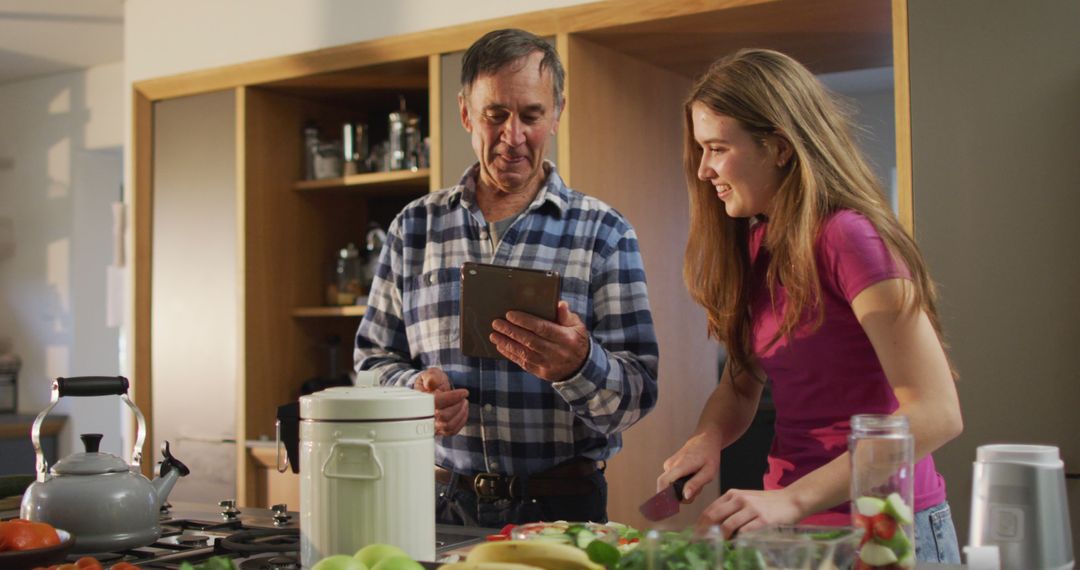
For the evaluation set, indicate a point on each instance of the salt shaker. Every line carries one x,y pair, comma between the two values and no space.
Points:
883,488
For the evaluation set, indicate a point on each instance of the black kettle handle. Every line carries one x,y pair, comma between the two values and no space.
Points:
86,386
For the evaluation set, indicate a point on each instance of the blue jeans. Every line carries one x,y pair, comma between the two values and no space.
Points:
935,535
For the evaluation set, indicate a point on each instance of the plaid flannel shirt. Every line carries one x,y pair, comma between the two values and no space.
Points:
518,424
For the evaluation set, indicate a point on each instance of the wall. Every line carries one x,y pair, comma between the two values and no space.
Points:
994,105
159,36
60,171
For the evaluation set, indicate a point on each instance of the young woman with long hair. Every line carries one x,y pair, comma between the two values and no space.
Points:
811,283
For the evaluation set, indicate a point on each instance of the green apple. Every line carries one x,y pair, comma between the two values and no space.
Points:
898,509
899,543
869,506
371,554
339,562
876,554
397,562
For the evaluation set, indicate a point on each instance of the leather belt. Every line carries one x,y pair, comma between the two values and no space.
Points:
570,478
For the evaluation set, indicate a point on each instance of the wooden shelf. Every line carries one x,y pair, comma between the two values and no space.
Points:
378,182
347,311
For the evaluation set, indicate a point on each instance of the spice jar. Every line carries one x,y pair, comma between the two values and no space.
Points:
883,488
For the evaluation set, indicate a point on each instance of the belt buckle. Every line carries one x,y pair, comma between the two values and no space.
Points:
493,486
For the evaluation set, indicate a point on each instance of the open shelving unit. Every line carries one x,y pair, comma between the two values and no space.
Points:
349,311
371,182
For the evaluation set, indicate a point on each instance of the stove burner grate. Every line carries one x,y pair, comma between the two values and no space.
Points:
272,562
193,540
262,540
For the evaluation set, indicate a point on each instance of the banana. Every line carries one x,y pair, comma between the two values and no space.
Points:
547,555
487,566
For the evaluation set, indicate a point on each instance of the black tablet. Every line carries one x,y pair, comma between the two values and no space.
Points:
489,291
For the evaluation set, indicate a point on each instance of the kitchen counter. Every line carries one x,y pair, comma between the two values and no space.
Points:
448,537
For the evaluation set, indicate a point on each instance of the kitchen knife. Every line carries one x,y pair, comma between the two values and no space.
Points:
665,503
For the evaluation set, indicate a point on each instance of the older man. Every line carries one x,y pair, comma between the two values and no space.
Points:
521,439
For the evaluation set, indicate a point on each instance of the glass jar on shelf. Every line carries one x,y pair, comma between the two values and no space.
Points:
373,241
311,149
883,488
349,275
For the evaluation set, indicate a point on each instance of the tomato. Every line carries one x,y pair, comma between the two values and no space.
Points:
67,567
88,563
497,537
19,534
506,530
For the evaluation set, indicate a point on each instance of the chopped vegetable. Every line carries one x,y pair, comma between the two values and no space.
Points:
898,509
215,563
883,521
877,555
869,506
88,563
601,552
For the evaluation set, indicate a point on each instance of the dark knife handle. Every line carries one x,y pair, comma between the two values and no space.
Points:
678,486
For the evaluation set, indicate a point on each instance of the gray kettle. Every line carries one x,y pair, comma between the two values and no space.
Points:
105,503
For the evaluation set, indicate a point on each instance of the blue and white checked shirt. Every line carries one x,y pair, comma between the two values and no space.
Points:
518,424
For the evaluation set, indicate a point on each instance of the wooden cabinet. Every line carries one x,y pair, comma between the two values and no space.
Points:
628,67
293,229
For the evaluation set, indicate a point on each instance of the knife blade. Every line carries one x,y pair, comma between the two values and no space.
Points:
665,503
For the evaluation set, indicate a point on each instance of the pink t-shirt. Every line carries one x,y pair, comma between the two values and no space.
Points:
821,378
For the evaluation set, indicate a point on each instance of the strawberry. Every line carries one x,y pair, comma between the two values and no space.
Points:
884,527
862,522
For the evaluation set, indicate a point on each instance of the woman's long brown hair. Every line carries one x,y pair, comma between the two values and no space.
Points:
769,93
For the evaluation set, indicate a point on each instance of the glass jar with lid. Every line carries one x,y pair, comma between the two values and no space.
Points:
883,488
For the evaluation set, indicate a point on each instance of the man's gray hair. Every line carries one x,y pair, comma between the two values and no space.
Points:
500,48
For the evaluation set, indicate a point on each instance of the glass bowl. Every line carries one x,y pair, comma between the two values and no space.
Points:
795,547
667,550
576,533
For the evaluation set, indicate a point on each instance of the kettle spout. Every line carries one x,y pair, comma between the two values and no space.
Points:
169,471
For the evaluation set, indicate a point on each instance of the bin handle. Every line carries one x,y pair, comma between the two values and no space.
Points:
281,467
327,468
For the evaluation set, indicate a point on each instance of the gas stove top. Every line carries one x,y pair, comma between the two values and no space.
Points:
255,539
